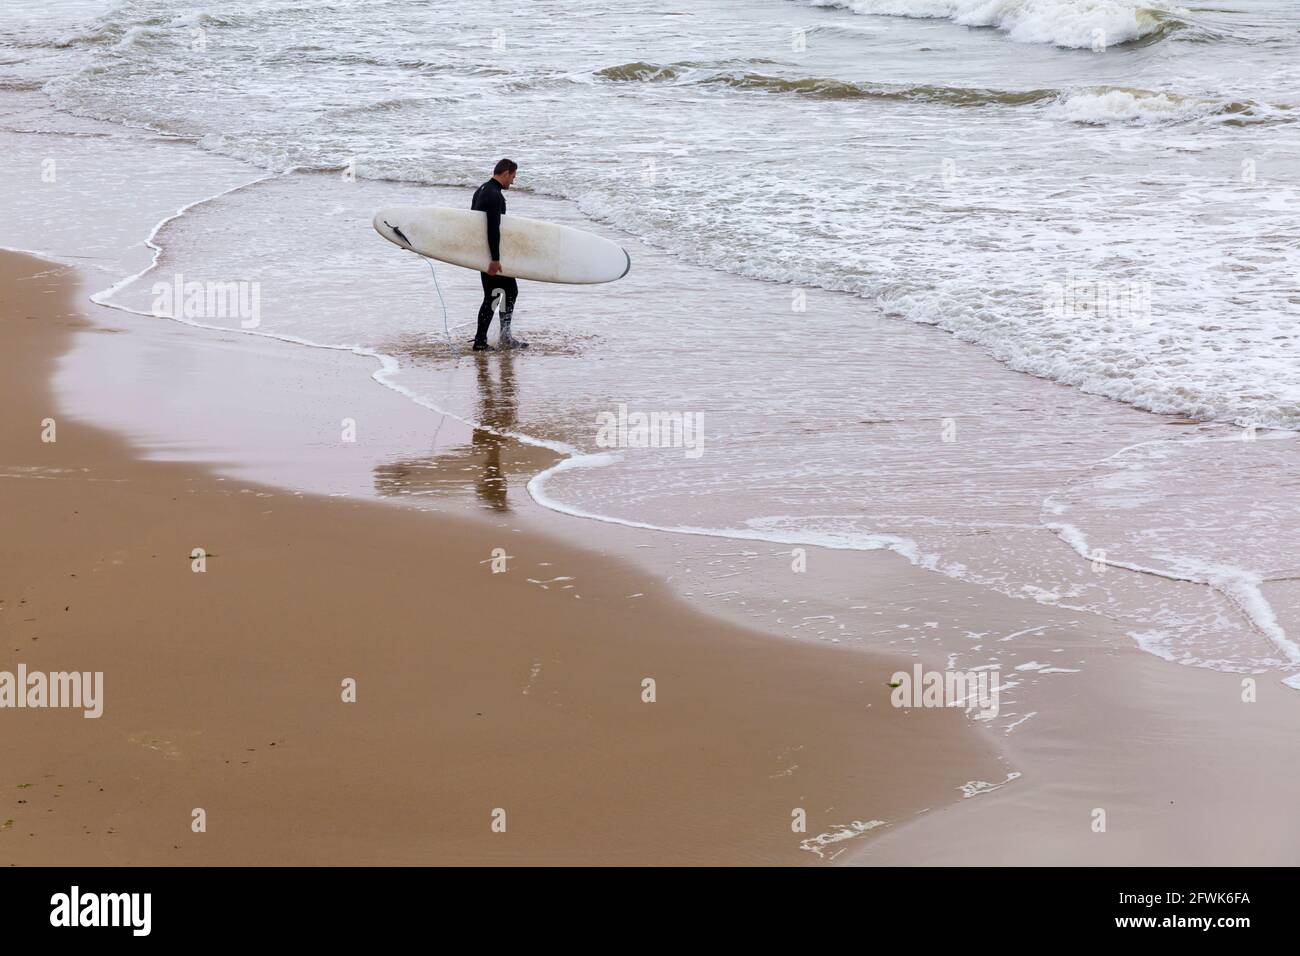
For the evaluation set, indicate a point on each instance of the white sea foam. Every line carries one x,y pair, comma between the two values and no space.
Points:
973,788
1102,107
759,530
819,844
1155,513
1065,23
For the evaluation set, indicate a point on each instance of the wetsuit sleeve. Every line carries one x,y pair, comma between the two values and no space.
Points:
494,211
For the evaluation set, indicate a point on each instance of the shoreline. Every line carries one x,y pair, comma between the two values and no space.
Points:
1117,729
1071,740
222,687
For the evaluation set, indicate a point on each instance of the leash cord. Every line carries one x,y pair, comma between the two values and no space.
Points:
445,327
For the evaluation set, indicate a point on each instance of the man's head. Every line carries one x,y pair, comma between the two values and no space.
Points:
505,172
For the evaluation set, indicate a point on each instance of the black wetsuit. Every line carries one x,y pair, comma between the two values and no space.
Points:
497,289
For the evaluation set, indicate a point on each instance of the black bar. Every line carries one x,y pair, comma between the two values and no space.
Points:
875,906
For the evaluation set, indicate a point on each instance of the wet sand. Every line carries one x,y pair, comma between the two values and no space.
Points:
475,692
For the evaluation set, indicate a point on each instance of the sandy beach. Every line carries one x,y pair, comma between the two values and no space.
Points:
475,691
361,596
224,688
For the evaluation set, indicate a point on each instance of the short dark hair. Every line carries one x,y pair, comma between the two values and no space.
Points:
505,166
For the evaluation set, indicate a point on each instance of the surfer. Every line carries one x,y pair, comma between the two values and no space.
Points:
499,291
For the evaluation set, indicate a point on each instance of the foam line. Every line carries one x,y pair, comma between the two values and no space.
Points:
572,457
1240,587
899,545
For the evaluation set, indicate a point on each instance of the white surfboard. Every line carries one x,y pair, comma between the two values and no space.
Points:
530,249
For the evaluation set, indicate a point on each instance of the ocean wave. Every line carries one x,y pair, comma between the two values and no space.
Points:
129,25
1097,106
392,105
1105,106
1077,24
309,53
823,88
106,31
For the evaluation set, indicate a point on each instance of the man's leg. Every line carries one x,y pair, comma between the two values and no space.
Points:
506,340
484,312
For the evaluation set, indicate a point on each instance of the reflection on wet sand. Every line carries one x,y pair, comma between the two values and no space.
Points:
498,408
484,465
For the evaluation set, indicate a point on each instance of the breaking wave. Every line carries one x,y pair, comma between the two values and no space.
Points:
1077,24
821,88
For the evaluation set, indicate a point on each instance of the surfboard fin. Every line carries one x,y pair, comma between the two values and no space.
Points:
397,232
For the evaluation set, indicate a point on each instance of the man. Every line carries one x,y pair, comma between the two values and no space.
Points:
497,289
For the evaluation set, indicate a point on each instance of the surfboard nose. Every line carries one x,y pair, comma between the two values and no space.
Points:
385,224
628,267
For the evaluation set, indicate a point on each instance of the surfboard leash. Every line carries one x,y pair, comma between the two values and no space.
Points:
446,328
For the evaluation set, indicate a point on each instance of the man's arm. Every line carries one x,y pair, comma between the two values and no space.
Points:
494,234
